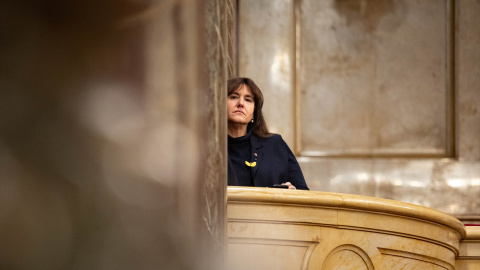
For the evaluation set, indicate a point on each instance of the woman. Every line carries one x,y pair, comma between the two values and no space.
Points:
255,156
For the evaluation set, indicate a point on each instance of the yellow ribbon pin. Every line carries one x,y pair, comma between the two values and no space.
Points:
253,164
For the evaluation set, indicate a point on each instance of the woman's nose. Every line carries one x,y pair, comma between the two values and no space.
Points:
240,102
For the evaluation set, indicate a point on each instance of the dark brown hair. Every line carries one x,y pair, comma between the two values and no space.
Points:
259,126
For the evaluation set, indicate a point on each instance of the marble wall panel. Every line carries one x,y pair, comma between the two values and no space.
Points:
468,79
266,55
402,121
372,77
442,184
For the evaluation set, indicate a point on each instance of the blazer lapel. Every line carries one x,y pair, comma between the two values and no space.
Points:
257,153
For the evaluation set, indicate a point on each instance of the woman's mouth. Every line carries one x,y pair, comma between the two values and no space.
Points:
239,112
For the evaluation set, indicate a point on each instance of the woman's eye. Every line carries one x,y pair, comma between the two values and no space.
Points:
249,100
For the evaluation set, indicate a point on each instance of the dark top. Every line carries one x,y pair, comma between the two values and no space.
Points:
238,153
275,163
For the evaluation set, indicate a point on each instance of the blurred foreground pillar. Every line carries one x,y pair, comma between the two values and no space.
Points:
112,134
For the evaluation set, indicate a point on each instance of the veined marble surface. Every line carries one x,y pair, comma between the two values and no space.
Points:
376,98
292,229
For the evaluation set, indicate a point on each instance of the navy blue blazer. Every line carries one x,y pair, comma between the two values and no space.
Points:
276,163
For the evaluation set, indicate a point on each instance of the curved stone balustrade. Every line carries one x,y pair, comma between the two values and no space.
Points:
293,229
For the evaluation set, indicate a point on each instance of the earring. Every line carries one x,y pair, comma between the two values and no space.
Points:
252,120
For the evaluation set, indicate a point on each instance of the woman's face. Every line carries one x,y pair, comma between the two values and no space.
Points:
240,105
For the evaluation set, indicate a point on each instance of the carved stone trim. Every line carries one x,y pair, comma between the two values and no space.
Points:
343,227
416,256
310,245
362,254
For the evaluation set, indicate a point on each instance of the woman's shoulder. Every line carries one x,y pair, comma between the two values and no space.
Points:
276,137
272,138
273,135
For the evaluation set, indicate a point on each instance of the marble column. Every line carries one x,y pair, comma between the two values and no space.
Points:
112,134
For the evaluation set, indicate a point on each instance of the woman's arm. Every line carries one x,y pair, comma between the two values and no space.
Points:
295,175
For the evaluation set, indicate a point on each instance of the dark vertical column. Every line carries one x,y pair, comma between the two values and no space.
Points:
219,50
113,134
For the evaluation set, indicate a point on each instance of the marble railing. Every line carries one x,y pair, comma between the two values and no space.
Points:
293,229
469,253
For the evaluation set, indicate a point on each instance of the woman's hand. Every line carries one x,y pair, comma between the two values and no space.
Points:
290,186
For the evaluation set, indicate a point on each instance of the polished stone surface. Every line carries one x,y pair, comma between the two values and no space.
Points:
385,96
266,55
219,34
444,184
469,256
288,229
372,80
468,80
